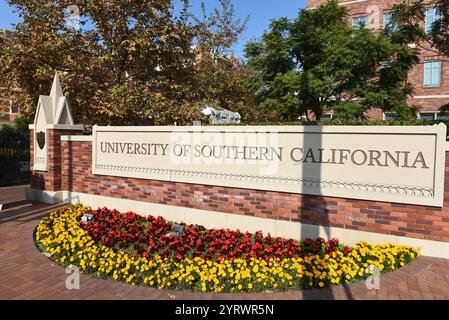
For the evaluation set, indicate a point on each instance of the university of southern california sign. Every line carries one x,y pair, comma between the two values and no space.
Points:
395,164
403,159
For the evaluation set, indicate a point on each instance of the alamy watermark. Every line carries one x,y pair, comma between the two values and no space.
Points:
372,14
257,148
72,282
373,280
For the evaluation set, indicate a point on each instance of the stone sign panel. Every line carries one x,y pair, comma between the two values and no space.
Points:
380,163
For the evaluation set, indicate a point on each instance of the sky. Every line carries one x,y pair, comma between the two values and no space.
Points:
260,13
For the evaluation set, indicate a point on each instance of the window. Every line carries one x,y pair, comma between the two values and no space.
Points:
432,73
327,117
432,116
432,15
385,65
442,116
358,23
14,109
389,22
389,116
429,116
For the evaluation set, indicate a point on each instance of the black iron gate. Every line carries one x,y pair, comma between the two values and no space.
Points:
14,159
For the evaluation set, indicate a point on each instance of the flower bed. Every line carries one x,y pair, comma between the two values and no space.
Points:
147,236
143,251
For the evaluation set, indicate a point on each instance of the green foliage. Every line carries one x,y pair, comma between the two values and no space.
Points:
317,62
131,62
21,124
283,95
348,111
350,122
128,48
445,107
18,126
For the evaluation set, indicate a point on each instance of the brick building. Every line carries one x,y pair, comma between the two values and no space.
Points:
9,111
430,77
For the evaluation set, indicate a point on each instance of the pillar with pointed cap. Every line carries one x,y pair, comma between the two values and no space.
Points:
53,119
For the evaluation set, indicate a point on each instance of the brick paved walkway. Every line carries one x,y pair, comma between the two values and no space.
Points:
27,274
10,196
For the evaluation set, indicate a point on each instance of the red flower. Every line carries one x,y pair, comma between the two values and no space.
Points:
128,231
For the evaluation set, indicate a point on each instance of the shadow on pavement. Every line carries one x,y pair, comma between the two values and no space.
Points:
26,212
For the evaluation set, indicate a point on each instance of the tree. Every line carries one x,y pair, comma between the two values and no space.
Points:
317,62
5,87
129,62
219,75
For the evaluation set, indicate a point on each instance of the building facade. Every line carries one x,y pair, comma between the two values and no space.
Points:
430,77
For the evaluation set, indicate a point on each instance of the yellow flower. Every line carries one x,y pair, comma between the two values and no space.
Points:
61,235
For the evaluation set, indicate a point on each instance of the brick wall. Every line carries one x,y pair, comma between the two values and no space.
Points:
374,114
50,180
5,110
387,218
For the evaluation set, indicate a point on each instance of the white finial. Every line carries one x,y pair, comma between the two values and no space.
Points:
56,90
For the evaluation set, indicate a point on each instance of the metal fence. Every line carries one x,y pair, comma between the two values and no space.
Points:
14,159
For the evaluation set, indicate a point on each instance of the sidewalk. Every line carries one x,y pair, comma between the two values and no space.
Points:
27,274
10,195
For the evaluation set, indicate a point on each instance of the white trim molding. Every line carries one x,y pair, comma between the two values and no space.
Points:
76,138
52,197
435,96
342,3
351,2
61,126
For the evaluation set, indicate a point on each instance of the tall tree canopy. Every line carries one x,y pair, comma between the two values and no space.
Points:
127,61
317,62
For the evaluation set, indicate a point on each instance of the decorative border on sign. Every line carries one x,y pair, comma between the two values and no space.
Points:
423,192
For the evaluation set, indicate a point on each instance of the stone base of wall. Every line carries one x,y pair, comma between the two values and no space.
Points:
219,220
37,195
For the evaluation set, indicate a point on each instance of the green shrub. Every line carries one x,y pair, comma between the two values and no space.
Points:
351,123
17,127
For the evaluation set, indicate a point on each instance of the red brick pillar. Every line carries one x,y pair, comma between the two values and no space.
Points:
51,180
